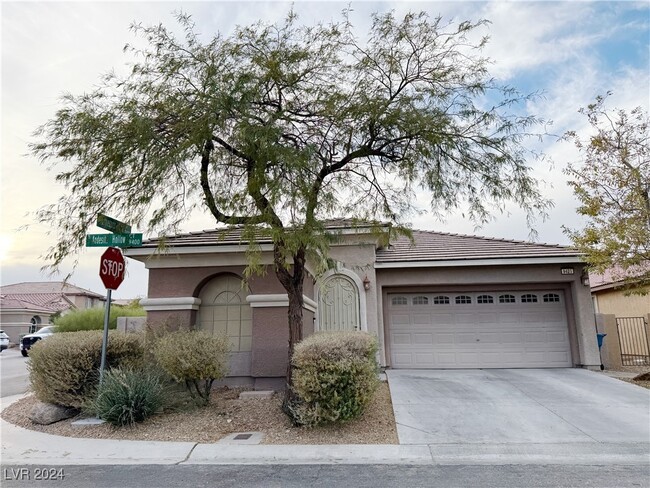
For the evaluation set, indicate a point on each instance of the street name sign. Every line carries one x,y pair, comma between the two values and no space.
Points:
117,240
113,225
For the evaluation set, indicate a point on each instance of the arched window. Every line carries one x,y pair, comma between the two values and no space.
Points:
551,298
420,300
484,299
338,304
34,324
463,299
224,311
507,299
399,301
441,300
529,298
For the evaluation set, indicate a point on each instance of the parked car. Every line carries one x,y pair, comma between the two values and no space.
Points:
30,339
4,340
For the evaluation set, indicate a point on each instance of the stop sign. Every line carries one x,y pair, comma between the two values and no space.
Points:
111,268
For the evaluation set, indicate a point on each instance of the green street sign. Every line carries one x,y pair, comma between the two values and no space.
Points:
114,240
113,225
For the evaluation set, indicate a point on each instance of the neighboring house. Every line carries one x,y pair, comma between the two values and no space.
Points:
24,307
623,317
443,301
610,296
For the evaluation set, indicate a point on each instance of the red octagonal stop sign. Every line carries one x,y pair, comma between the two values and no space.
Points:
111,268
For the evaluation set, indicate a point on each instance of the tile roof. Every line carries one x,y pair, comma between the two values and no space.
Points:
438,246
14,303
233,235
45,287
427,245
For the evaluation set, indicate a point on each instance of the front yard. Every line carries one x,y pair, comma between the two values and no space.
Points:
225,415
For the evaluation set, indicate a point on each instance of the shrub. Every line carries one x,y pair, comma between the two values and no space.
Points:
93,318
193,357
335,377
127,396
64,368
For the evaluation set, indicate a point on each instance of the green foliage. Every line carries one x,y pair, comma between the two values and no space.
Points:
278,127
193,357
335,377
613,187
287,124
127,396
93,318
64,368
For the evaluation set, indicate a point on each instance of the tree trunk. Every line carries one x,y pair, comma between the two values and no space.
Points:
292,281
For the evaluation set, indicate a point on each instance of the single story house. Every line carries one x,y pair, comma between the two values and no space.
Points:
611,296
438,301
25,307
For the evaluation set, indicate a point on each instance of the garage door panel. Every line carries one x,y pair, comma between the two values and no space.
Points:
401,339
465,318
424,339
442,339
442,318
509,318
488,318
473,335
397,320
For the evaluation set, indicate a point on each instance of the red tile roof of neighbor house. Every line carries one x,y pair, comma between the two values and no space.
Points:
613,278
12,303
45,296
45,287
426,245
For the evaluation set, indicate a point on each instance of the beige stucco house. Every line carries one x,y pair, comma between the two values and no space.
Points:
24,307
611,297
441,301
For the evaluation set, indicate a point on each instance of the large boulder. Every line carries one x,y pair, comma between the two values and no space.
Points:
47,413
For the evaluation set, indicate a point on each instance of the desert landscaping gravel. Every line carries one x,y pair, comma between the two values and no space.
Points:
225,415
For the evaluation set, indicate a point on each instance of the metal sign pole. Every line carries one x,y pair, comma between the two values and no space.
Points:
107,314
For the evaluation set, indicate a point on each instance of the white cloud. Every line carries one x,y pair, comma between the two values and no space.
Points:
49,48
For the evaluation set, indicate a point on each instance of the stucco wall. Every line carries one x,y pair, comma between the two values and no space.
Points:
16,324
616,303
580,315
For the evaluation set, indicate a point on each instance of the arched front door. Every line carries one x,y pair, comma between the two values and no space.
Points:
224,311
338,304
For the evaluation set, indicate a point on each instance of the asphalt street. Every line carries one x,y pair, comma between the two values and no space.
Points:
14,378
317,476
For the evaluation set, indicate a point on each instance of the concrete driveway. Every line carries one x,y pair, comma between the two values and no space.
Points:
518,406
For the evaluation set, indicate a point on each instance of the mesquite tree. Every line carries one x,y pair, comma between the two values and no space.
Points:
612,184
280,126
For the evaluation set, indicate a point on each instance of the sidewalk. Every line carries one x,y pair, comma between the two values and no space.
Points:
25,447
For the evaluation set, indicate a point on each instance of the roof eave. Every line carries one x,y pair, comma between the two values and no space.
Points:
501,261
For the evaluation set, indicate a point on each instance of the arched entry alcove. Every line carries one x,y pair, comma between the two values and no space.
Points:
340,304
224,311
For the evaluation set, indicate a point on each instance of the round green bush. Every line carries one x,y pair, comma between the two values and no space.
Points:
127,396
334,378
64,368
193,357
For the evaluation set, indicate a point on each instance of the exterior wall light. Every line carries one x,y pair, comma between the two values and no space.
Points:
584,277
366,283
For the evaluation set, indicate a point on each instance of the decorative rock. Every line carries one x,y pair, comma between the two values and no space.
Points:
47,413
244,395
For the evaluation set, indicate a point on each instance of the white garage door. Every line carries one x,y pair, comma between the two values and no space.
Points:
479,330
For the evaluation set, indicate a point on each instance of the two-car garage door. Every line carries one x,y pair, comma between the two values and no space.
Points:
504,329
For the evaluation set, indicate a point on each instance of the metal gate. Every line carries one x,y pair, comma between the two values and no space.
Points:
633,339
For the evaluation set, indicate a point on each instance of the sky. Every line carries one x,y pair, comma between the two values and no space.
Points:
570,51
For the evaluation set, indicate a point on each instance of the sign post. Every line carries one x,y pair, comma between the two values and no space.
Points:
111,271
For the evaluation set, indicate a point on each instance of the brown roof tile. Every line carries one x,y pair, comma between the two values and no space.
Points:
438,246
